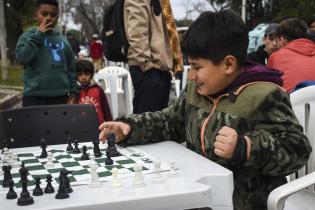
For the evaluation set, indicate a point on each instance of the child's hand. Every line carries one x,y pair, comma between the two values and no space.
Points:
45,26
225,142
120,129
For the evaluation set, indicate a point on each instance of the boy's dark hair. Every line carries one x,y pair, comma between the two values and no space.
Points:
51,2
291,29
85,66
214,35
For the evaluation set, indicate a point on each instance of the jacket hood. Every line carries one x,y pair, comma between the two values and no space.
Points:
302,46
253,72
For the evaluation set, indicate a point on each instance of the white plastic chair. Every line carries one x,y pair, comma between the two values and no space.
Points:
179,89
299,194
116,80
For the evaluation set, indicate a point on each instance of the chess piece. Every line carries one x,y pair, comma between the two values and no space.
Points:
172,172
25,198
108,160
15,162
157,179
76,149
4,144
115,182
43,145
5,152
96,149
1,165
37,190
85,155
138,179
111,139
69,147
7,177
95,182
49,162
11,194
67,183
62,193
49,188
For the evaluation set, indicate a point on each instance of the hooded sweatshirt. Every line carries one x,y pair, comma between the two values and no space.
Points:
49,64
297,62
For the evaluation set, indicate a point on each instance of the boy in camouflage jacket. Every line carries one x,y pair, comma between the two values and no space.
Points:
232,112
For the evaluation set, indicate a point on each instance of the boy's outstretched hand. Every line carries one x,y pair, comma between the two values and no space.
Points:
120,129
225,142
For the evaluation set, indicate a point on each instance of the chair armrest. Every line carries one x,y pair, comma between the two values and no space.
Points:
278,196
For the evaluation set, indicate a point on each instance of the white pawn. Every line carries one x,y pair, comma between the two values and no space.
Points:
1,164
5,155
138,179
10,158
172,172
157,179
49,162
115,183
95,182
15,163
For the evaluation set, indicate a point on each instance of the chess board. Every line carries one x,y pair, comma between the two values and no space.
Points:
80,169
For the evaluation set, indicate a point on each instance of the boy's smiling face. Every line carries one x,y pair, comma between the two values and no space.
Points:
209,77
47,14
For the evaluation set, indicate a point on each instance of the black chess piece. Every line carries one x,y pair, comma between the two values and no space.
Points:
96,149
76,149
111,139
69,147
25,198
49,188
11,194
62,193
37,190
43,145
4,144
67,183
7,176
85,155
108,160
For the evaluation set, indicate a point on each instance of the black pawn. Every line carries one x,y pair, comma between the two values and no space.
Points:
108,160
76,149
43,145
85,155
7,177
49,188
37,190
69,147
11,194
96,149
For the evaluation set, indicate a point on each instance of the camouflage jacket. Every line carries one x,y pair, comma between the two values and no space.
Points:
261,111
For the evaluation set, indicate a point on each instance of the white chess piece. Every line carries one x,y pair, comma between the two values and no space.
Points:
5,154
172,172
138,179
10,158
95,182
49,162
115,182
15,163
157,179
1,165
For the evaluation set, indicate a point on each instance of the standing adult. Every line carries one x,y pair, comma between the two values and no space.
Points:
296,58
153,53
96,51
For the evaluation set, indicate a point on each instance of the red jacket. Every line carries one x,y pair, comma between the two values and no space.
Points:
96,50
95,95
297,62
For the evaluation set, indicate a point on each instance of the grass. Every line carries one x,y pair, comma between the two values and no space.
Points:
14,78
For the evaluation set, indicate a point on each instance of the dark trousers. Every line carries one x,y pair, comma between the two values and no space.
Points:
152,89
38,101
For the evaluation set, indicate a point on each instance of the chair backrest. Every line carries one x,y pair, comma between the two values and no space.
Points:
25,127
102,77
303,104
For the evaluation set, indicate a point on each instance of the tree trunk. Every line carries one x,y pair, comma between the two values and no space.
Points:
3,43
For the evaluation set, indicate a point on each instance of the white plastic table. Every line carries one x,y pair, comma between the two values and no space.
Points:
201,183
